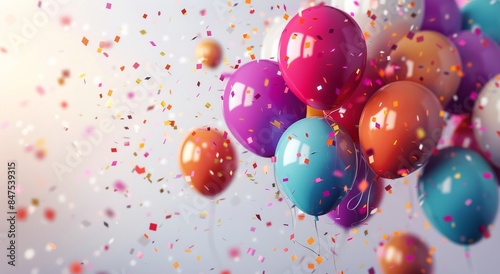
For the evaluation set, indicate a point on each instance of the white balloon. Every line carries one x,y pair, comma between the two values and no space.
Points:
271,40
486,120
384,22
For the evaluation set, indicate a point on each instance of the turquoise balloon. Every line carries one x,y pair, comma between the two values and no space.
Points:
316,165
483,14
459,195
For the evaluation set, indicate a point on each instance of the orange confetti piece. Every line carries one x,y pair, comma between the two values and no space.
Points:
85,41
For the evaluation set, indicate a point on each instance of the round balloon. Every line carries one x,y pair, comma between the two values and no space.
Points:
384,22
258,106
479,55
322,55
363,199
482,14
405,253
430,59
209,53
349,113
442,16
458,194
207,161
315,165
486,118
271,40
399,128
463,136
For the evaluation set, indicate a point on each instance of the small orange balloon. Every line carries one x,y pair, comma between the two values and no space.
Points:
399,128
209,52
405,253
312,112
208,161
428,58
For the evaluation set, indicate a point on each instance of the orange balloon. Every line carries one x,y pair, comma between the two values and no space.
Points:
428,58
405,253
312,112
399,128
209,52
208,161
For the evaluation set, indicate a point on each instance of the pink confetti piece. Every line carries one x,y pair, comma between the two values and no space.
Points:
152,43
488,175
251,251
261,258
468,202
338,174
252,229
170,245
139,255
326,193
108,6
448,218
136,65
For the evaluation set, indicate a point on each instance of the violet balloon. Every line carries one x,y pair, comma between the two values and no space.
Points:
442,16
258,106
479,55
364,197
322,54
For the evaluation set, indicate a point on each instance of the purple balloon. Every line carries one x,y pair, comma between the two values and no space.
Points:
442,16
364,197
480,57
258,106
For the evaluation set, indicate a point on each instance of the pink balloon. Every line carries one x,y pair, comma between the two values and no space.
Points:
462,3
322,55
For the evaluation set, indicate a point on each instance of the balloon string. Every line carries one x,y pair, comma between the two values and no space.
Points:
211,233
335,252
293,223
317,234
470,263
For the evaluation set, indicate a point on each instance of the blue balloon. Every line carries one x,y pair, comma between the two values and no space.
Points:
459,195
316,165
483,14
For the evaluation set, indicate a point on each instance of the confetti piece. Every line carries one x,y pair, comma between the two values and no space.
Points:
251,251
108,6
153,226
85,41
310,241
448,218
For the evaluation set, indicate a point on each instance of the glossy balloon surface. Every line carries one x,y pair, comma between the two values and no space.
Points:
399,128
322,55
315,165
258,106
459,195
208,162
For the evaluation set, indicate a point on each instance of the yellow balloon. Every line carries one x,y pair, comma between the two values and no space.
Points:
312,112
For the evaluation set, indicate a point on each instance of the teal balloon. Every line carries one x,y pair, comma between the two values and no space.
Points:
483,14
316,165
458,193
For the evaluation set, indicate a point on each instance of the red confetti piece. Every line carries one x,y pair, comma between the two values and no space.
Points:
49,214
153,226
22,213
140,170
75,268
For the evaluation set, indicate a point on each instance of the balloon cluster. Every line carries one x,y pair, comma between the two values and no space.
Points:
382,76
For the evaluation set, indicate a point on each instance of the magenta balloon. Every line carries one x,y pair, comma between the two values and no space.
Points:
322,54
364,197
442,16
258,106
480,57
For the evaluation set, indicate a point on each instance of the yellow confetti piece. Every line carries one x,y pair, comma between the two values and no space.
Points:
176,265
457,176
198,258
385,236
143,32
420,133
395,104
319,259
408,205
310,241
266,82
163,103
207,105
109,103
294,257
